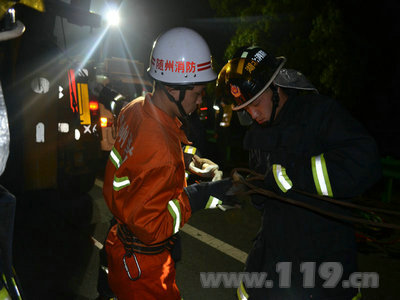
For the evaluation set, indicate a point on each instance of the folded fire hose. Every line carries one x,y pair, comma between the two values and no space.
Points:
253,189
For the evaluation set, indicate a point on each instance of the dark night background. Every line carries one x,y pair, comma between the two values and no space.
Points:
369,74
364,53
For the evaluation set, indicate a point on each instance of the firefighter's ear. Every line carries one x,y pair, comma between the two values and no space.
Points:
281,92
169,88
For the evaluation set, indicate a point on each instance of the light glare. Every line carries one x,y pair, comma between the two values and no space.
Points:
112,17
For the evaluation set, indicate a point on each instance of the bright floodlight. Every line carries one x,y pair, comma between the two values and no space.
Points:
112,17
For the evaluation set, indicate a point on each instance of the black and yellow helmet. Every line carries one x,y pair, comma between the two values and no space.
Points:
247,75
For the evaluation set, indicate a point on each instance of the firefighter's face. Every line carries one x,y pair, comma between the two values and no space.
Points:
193,98
261,108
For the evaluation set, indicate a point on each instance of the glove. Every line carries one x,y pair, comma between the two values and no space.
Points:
217,175
204,167
211,194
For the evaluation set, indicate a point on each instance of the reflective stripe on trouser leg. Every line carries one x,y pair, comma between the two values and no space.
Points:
358,296
241,292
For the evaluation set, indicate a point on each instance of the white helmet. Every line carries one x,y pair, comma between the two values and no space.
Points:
181,56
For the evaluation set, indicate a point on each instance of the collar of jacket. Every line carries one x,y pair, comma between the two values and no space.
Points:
283,110
173,124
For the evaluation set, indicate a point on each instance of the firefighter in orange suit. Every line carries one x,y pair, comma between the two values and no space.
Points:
144,183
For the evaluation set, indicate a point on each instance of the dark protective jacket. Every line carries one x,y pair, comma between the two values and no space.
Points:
324,151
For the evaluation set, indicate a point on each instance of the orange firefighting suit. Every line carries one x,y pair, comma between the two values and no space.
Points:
144,189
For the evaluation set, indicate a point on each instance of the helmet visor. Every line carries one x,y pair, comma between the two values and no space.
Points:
293,79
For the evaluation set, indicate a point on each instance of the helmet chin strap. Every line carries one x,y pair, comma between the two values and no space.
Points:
178,102
275,103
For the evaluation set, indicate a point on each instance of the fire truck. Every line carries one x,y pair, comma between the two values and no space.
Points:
57,129
61,129
53,116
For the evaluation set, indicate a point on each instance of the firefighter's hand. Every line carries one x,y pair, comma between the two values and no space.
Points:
237,178
204,167
238,186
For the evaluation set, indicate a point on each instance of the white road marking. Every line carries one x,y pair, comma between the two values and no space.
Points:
215,243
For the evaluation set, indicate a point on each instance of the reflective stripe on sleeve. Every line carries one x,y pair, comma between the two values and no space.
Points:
281,178
120,182
241,292
190,150
320,175
115,158
175,211
213,202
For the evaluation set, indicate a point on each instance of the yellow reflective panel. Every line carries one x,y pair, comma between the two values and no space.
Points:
35,4
83,99
240,66
5,6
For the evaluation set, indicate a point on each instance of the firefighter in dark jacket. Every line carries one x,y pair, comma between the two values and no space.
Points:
299,141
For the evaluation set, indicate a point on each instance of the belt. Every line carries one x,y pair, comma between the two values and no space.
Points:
133,245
